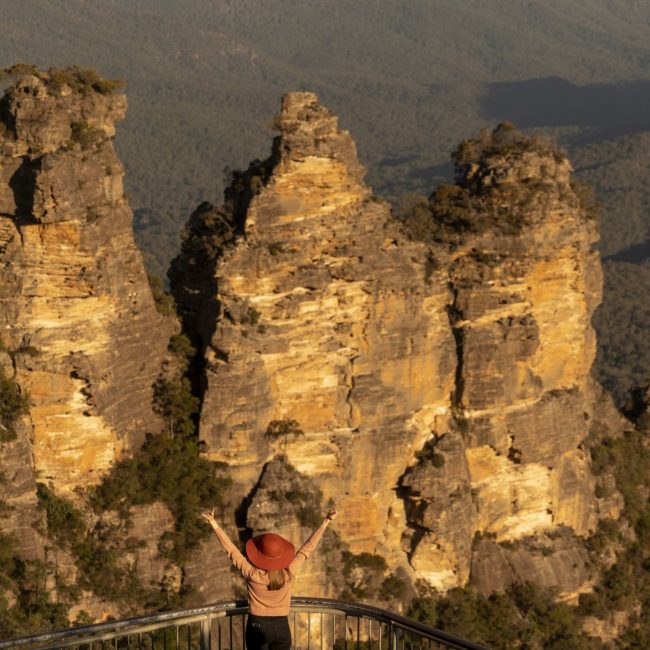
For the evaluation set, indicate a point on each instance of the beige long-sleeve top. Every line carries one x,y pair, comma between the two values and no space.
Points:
261,600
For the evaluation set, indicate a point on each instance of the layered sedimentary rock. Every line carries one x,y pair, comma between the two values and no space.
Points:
76,311
438,393
327,318
525,279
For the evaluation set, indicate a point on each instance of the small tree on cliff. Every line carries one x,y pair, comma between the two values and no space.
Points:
282,429
172,392
13,404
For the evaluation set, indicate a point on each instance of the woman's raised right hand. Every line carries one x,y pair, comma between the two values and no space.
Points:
209,517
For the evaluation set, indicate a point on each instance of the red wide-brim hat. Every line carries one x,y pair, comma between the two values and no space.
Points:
270,551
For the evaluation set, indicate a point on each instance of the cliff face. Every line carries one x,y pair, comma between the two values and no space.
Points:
441,390
525,279
326,319
76,312
438,391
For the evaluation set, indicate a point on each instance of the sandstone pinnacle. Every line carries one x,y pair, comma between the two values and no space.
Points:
74,289
443,390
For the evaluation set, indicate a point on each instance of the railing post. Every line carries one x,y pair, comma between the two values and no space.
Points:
392,637
205,641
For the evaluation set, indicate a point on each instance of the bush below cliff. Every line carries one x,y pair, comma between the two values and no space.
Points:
172,471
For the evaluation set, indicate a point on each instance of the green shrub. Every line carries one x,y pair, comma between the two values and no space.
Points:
284,428
173,400
163,301
182,347
13,404
392,588
82,80
18,70
523,617
33,611
65,523
85,135
172,471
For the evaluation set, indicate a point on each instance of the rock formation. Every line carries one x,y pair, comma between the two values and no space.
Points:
327,318
438,393
76,312
431,378
525,279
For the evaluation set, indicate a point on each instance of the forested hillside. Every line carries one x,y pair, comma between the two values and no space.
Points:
410,80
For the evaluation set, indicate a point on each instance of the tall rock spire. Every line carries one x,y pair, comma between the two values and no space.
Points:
76,312
439,392
330,317
525,279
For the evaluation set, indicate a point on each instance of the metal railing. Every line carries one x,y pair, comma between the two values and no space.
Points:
317,624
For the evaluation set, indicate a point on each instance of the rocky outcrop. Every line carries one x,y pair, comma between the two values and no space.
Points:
327,318
437,388
435,392
525,280
76,311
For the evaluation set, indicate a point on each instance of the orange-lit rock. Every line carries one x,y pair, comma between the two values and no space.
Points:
76,313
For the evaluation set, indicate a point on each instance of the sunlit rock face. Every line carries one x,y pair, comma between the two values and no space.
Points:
327,317
525,279
76,312
438,393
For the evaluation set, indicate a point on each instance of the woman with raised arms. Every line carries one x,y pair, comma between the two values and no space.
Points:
269,571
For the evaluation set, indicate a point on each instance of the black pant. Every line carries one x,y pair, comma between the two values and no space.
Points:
268,633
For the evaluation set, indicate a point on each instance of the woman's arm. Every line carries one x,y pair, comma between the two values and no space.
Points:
246,568
310,545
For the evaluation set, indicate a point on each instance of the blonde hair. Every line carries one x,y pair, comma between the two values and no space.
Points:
278,578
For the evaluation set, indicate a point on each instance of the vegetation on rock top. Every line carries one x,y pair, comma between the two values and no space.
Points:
479,201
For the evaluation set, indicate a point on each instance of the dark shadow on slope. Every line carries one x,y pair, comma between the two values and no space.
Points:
610,109
635,254
440,173
23,186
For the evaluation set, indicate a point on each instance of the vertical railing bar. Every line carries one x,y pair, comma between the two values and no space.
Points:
321,631
380,639
230,630
243,632
358,632
219,622
295,638
369,634
308,630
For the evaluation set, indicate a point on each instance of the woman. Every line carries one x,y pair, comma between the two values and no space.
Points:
269,571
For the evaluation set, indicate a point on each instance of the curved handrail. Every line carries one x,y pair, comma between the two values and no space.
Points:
384,616
235,608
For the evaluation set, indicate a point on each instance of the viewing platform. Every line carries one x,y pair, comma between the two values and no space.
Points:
316,624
